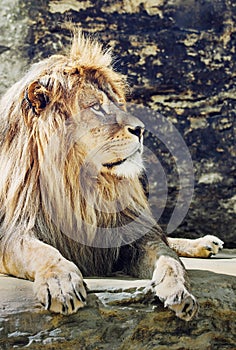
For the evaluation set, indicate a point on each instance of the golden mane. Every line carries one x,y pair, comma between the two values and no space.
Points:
71,200
89,53
40,160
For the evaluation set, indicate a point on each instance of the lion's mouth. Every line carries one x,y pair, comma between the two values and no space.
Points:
111,165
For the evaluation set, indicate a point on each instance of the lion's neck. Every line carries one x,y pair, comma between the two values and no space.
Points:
104,213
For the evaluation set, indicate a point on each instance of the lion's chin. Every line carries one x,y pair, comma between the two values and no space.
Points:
128,167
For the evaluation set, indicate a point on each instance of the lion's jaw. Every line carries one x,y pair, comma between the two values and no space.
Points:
128,167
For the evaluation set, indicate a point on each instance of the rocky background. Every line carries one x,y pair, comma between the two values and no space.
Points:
180,59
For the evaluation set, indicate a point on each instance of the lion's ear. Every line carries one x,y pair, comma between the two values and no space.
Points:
37,96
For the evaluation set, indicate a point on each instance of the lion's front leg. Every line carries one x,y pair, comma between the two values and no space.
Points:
58,283
169,284
169,279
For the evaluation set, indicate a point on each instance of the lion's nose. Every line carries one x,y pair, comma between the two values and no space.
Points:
137,130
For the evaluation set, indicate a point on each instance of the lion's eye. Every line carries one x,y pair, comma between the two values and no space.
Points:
96,107
100,109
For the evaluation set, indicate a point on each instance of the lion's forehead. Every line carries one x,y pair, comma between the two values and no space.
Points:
90,94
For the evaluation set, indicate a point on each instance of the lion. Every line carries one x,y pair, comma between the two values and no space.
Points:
72,203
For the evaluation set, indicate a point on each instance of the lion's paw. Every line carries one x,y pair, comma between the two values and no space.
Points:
208,245
183,304
168,283
60,288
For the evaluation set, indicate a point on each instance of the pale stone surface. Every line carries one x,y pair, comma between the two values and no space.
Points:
224,266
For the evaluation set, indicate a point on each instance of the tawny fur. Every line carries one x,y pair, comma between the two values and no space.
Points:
40,158
71,200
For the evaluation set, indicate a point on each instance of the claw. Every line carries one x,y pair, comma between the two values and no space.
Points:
79,295
72,304
49,300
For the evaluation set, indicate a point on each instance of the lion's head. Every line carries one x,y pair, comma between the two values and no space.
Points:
83,92
68,146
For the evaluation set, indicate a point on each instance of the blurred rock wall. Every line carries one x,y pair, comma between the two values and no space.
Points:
179,56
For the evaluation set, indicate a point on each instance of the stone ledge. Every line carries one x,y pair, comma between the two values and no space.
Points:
114,319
